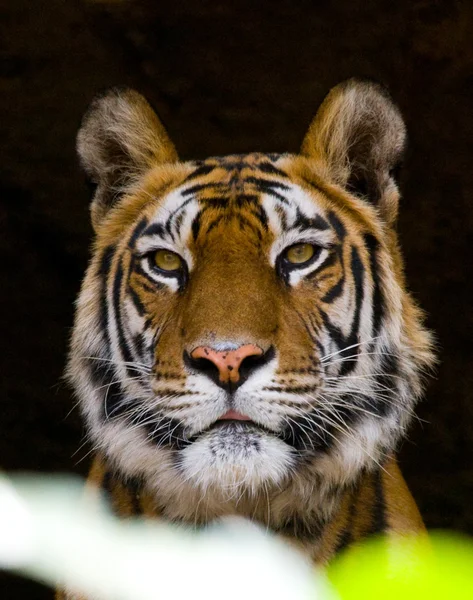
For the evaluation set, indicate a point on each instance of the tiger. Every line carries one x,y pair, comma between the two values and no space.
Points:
244,341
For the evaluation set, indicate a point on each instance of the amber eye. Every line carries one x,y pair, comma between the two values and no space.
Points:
167,260
299,253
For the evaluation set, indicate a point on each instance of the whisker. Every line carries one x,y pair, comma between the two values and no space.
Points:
344,429
388,400
133,365
327,356
355,357
119,381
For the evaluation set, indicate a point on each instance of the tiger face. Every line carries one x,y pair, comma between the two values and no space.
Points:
244,321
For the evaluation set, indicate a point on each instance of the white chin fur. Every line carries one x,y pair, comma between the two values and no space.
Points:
234,458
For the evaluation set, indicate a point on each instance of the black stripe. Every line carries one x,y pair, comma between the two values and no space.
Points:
114,400
378,523
358,271
344,343
159,429
137,232
196,226
301,371
246,200
269,187
310,333
261,215
387,381
122,343
106,261
282,217
316,186
328,262
102,373
335,292
301,528
216,202
166,432
299,389
302,222
337,225
107,484
200,171
178,223
244,222
155,229
173,392
275,195
314,322
138,304
335,332
103,272
267,167
235,164
176,211
156,285
372,245
348,413
134,487
347,534
214,224
191,191
168,226
300,436
139,344
266,183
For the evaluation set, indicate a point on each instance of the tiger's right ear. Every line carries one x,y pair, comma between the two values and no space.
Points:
120,138
359,134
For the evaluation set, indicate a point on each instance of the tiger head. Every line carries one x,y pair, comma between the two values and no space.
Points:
244,320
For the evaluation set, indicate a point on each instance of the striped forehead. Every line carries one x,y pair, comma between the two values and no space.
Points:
171,222
287,208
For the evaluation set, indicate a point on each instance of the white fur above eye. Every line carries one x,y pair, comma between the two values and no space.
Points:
298,274
170,281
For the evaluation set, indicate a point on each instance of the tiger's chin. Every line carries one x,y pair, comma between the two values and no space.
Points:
234,457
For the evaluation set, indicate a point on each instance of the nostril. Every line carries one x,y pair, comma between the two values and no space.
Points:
227,368
254,361
204,365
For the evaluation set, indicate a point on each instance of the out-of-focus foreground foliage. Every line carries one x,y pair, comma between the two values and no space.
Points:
53,532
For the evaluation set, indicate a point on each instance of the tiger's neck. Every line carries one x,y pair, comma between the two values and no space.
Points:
318,523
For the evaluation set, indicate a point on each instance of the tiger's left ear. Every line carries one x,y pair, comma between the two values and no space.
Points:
120,138
360,135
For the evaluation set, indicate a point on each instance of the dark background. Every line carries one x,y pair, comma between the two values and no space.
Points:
229,77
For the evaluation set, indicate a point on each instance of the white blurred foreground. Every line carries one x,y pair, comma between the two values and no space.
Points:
50,532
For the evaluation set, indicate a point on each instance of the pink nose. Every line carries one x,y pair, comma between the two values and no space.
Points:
228,362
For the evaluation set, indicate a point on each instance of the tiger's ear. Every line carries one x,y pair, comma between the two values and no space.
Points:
120,138
360,136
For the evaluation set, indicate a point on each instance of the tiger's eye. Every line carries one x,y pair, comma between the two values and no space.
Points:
299,253
167,261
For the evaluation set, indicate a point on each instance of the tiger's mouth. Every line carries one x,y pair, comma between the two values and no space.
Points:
233,415
233,423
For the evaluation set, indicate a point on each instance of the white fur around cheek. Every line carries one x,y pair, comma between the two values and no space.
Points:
210,462
249,399
360,448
